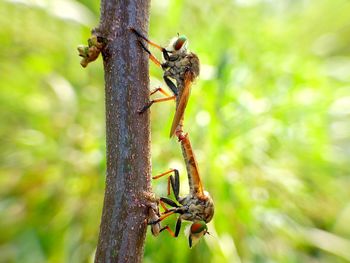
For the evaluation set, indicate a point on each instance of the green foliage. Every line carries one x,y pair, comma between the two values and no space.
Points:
268,118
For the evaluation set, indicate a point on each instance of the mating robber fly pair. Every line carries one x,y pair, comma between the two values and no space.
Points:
198,207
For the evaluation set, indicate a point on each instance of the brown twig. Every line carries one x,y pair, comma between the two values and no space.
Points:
123,225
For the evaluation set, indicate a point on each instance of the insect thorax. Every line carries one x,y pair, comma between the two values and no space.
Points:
198,209
178,64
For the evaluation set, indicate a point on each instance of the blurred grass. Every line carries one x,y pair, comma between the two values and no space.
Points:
269,120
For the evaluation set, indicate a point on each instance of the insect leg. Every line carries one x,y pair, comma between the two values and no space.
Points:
171,85
146,39
167,228
175,182
155,224
178,226
165,54
148,105
168,202
161,91
151,56
166,210
165,215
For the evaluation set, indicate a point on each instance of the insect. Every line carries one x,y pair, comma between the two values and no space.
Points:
197,206
179,65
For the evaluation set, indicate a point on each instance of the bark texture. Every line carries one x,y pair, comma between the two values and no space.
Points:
123,226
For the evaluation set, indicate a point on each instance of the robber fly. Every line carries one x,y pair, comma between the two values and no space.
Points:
197,206
180,65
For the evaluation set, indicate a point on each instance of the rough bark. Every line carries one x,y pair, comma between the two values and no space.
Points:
123,226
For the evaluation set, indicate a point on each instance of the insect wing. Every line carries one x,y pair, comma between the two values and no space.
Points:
182,104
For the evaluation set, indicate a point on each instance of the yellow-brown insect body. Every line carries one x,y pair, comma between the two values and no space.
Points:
198,205
196,209
184,68
179,65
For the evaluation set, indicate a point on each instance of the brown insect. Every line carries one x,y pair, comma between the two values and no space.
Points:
179,65
197,206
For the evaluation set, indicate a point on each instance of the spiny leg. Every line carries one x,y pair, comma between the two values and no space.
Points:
175,182
155,223
161,91
167,228
148,105
168,201
151,56
164,51
162,217
146,39
162,203
177,228
170,84
168,81
163,174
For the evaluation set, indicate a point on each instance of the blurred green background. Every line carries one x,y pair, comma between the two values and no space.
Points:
269,119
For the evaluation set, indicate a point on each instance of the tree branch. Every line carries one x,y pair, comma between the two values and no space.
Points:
123,226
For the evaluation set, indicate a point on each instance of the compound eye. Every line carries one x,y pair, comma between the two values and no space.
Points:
180,42
198,227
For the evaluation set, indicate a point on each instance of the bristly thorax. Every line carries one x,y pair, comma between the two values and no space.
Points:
178,65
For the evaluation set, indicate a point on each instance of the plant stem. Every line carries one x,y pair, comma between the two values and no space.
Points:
123,226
